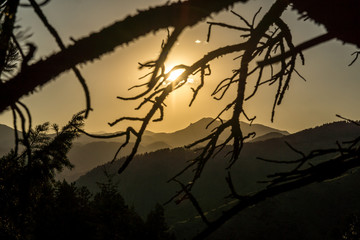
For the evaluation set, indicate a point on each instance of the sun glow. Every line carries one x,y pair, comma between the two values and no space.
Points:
175,74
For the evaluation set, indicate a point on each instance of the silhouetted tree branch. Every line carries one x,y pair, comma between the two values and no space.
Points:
155,19
250,48
341,26
105,41
62,47
336,163
262,40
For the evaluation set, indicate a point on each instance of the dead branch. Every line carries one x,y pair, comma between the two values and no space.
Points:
355,58
134,26
323,171
60,43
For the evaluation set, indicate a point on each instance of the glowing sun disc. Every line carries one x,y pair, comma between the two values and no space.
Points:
175,74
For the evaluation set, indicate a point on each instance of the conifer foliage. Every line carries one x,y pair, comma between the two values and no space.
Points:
33,205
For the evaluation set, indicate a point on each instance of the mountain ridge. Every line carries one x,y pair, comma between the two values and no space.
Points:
88,152
146,178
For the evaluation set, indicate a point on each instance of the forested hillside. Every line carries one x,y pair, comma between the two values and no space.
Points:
328,204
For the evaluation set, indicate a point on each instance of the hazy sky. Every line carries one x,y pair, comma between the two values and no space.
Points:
331,87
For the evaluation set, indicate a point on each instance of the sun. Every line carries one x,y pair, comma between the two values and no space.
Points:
175,74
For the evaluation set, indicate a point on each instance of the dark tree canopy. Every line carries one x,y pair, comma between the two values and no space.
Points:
33,205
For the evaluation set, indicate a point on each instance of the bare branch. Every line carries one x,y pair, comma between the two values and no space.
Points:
194,202
227,26
30,5
349,120
134,26
323,171
301,47
355,58
125,118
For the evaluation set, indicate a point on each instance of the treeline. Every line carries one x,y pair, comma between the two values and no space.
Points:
33,205
65,211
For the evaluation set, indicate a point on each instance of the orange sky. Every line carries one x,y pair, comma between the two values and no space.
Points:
331,87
